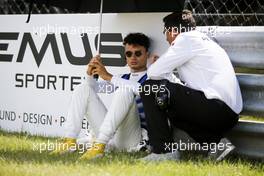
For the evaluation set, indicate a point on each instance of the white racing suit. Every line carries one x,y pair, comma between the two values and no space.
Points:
120,124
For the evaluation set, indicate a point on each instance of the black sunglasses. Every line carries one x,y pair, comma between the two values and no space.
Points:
130,53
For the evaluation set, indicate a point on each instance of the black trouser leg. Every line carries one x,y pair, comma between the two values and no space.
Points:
159,131
203,119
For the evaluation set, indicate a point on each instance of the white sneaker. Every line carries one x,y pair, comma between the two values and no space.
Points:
175,156
223,148
143,145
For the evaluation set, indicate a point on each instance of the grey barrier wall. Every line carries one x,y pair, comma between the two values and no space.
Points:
252,87
246,50
248,137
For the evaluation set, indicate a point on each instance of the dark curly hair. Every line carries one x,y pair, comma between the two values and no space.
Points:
182,21
137,39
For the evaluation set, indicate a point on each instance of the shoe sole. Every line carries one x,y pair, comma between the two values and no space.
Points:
98,156
225,153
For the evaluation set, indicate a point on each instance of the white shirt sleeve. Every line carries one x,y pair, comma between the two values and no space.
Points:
177,54
126,84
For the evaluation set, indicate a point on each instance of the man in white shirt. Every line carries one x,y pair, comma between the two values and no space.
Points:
124,121
206,106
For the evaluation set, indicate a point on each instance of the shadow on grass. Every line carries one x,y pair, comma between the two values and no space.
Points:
25,135
31,156
21,156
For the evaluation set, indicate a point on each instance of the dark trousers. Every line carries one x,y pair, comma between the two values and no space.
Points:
205,120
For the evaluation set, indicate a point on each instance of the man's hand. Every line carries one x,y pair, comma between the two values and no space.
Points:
90,67
153,58
96,67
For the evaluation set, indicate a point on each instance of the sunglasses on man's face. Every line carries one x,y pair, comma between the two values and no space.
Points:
130,53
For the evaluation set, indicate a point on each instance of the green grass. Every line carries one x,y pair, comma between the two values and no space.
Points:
17,157
249,70
251,118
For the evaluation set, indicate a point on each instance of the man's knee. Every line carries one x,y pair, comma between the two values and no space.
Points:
124,93
82,89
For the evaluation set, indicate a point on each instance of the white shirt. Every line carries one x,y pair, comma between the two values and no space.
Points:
203,65
132,83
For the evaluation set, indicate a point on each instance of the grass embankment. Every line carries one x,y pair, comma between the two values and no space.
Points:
19,156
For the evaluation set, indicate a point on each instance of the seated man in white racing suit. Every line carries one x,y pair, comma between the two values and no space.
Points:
124,122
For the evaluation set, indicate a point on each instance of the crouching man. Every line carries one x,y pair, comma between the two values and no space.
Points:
207,105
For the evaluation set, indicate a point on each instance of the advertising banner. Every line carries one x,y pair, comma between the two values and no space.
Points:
41,62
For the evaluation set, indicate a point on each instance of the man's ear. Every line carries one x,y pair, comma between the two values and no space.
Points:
175,33
148,54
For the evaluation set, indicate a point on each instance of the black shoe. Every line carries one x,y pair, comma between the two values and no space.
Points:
223,148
